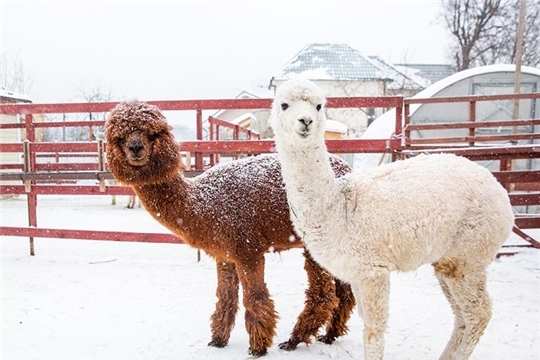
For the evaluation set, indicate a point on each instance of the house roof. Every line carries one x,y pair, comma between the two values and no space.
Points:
246,95
241,95
11,95
401,80
428,73
332,62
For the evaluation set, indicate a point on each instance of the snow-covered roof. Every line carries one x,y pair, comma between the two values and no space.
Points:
246,95
332,62
426,74
12,95
241,95
244,120
402,80
335,126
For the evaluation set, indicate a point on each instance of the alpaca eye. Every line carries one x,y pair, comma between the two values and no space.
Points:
318,107
284,106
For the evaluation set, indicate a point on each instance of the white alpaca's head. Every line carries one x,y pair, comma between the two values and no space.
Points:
298,112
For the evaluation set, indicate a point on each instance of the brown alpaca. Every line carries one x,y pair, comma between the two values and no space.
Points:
236,212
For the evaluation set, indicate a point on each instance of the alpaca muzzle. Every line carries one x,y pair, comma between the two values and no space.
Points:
136,152
305,126
135,147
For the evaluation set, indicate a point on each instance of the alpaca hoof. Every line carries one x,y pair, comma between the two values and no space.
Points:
217,343
288,345
326,339
257,353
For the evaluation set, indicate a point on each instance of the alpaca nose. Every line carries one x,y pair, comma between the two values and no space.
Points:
305,121
135,147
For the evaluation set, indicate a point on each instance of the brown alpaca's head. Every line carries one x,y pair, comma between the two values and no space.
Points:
140,145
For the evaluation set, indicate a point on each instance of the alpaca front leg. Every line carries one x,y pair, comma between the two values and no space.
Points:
372,292
337,325
319,305
227,304
260,313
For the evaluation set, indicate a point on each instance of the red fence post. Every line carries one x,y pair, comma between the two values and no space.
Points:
472,119
30,165
31,197
212,128
199,129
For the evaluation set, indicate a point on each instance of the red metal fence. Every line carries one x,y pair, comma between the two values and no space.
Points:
36,178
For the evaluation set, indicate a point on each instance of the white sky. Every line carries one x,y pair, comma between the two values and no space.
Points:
200,49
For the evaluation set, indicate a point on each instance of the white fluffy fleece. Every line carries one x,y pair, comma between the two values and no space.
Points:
442,210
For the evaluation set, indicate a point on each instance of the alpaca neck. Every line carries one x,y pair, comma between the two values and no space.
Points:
307,173
171,204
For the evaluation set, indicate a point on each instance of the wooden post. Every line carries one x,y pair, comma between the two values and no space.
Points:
472,119
101,165
31,198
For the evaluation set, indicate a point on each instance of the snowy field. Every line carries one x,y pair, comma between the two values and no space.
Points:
79,300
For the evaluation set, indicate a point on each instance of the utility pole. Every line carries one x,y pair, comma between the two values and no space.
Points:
519,56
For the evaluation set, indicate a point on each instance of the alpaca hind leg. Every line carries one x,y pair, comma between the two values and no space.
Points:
475,305
338,323
319,305
459,324
467,287
372,293
260,313
227,304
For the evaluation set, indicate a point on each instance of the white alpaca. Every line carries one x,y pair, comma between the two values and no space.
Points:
442,210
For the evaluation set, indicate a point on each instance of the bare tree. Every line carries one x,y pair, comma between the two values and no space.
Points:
13,75
504,48
468,22
95,92
484,31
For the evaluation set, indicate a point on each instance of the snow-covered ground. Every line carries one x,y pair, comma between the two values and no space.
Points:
80,299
